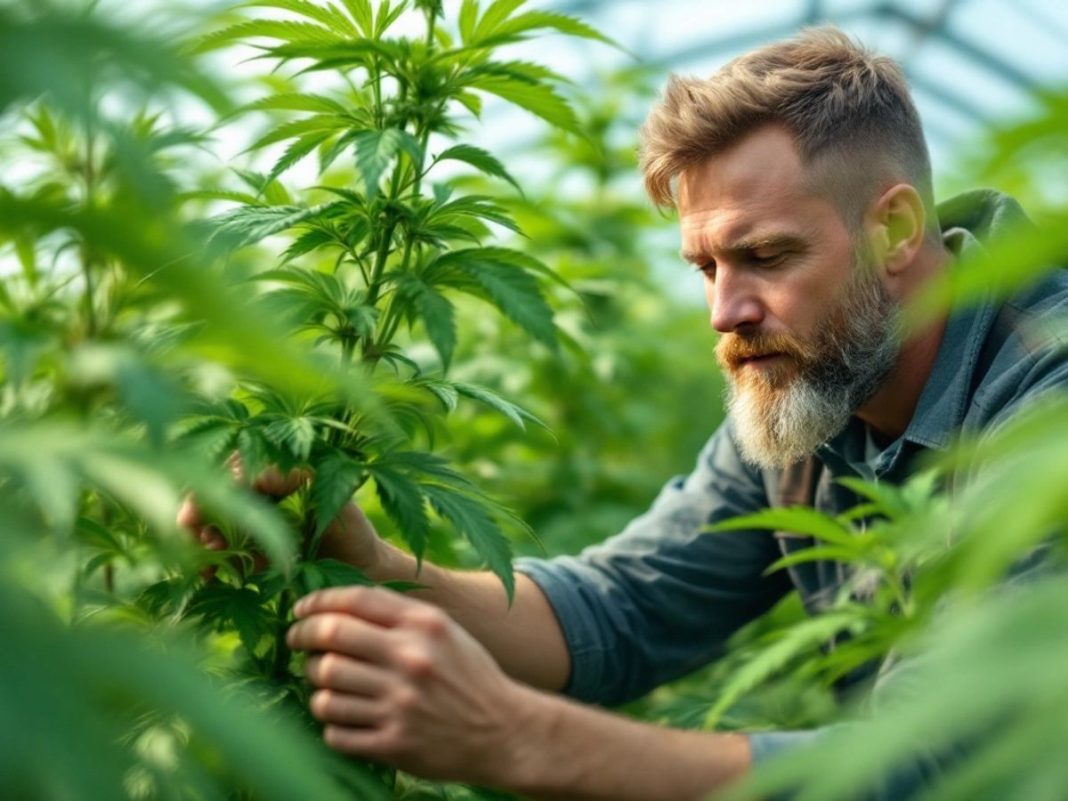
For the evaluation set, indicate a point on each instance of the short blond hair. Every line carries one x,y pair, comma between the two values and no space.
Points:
845,107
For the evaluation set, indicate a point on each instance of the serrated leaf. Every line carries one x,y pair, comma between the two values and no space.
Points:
95,535
295,434
339,573
403,501
272,192
26,253
539,99
326,124
522,261
471,102
439,317
286,30
294,101
517,414
431,465
478,206
250,224
818,553
885,497
308,241
297,150
326,15
495,14
387,15
518,297
803,636
470,517
336,478
374,152
336,56
803,520
362,318
362,14
468,19
479,159
219,603
444,392
535,20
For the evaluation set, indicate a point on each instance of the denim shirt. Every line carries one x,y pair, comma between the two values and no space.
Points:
660,599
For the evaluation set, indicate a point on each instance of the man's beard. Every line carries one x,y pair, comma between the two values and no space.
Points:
784,410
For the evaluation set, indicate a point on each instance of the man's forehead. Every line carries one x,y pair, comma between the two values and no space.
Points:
767,157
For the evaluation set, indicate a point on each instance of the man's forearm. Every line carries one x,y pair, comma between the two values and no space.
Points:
525,638
580,753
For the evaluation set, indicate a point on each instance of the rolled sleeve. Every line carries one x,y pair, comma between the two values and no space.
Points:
661,598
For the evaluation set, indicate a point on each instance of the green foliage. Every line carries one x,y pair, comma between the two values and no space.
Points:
155,322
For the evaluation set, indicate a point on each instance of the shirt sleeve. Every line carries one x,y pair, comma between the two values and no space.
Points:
661,598
901,679
900,785
907,780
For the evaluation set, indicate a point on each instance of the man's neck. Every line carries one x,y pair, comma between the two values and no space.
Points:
891,408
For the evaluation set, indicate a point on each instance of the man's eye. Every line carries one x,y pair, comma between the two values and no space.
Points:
708,269
768,260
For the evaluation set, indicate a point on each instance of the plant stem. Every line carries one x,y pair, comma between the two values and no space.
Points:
374,287
89,179
380,261
431,21
348,346
280,668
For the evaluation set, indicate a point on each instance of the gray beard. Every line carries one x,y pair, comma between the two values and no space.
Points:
817,403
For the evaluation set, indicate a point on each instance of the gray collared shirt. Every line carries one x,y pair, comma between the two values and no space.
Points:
661,598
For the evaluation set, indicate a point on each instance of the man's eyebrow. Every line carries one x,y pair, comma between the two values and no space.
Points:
749,244
771,241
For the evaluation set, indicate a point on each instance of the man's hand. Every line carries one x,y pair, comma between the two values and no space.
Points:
349,538
400,681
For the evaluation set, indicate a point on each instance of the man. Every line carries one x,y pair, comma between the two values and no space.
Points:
804,194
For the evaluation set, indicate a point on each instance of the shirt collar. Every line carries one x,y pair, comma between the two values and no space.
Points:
944,399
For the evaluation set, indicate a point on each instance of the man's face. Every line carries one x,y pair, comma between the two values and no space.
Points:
808,330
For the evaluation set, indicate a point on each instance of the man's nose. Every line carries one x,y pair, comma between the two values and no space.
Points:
733,303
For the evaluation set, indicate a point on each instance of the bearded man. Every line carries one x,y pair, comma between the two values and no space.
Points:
803,188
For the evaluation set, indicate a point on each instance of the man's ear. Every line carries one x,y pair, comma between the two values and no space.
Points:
896,228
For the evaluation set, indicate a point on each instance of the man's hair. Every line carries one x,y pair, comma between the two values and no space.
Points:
849,111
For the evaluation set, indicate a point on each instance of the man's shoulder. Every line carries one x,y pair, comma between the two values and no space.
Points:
1026,352
1045,296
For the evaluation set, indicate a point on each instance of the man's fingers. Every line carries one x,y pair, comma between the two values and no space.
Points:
211,538
380,606
345,634
189,514
368,743
329,706
337,672
272,482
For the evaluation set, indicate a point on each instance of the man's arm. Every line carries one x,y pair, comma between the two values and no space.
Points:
401,682
525,638
647,606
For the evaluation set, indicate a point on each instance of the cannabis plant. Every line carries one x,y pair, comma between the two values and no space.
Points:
371,254
144,342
